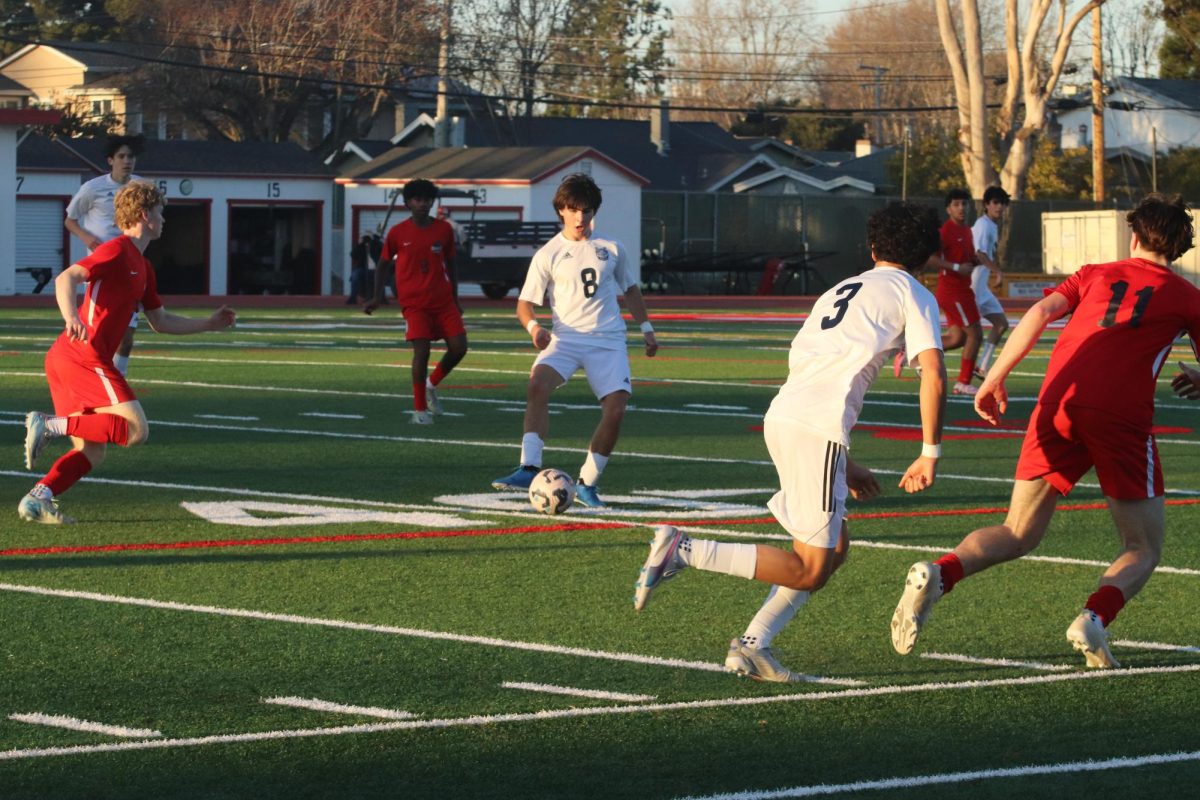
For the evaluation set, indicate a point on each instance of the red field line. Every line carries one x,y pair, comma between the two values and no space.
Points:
283,540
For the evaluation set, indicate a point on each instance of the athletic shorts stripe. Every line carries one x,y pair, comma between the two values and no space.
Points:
833,453
108,387
93,293
1150,465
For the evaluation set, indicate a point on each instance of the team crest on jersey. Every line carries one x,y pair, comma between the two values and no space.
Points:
437,248
602,253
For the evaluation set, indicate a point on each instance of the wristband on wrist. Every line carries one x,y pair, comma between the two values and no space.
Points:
954,268
931,450
647,327
529,326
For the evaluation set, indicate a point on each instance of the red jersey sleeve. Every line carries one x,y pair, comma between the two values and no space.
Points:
103,261
391,244
1070,288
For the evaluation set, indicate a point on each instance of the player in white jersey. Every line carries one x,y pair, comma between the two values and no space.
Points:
90,215
582,277
986,234
834,358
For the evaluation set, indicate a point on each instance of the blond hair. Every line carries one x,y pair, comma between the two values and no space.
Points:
133,199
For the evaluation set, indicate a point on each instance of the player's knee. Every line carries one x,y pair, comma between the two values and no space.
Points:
138,433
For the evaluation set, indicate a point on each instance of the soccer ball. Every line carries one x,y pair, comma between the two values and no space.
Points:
552,492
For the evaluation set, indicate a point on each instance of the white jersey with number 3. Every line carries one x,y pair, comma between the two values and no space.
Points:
838,352
581,281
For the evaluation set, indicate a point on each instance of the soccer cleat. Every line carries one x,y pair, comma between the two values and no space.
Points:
36,437
422,418
586,496
898,363
1087,635
36,509
433,401
922,588
519,480
964,389
757,663
662,564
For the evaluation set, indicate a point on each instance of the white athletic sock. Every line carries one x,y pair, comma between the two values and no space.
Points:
42,491
777,611
56,426
531,450
592,467
737,559
122,364
985,356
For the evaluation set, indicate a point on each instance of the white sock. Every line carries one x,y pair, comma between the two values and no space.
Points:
56,426
42,491
985,356
531,450
592,467
122,364
777,611
730,558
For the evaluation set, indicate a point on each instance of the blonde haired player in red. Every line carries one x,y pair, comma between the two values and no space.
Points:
1095,408
93,404
423,251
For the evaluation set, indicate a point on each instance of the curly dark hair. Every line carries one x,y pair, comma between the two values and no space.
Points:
1163,224
904,233
957,194
135,143
420,188
577,190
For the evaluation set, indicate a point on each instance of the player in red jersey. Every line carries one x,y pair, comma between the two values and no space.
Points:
93,404
1095,408
955,297
423,251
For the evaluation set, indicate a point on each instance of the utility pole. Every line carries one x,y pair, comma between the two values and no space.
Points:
441,124
1097,108
878,84
1154,159
904,172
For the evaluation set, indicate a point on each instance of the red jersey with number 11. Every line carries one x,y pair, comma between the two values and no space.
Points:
1125,317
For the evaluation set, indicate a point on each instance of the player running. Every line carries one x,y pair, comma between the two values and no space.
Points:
423,250
834,359
1095,408
986,235
582,276
93,403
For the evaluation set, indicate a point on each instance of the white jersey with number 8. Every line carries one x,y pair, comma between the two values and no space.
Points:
581,281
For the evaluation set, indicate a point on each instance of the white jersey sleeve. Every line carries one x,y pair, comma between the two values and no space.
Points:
92,207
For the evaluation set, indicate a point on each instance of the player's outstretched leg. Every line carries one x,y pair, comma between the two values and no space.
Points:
922,588
662,564
1088,635
757,663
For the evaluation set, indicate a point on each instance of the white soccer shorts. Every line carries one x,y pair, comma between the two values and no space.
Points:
607,370
811,501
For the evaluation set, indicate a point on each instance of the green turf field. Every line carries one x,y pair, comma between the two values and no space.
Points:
291,592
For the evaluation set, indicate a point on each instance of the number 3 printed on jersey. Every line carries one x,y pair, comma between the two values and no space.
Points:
845,294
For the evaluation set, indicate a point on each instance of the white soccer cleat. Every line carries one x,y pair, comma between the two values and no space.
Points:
965,389
433,401
757,663
36,509
36,437
922,588
422,418
662,564
1087,635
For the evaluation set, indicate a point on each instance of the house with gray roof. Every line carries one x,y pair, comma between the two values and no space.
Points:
1140,114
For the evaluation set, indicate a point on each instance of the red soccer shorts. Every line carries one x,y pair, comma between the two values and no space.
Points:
437,322
958,304
80,381
1062,443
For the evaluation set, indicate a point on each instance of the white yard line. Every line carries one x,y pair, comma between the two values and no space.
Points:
324,415
75,724
909,782
602,711
594,694
313,704
997,662
1174,648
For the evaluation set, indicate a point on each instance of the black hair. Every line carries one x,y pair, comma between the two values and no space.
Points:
957,194
995,193
577,190
1163,224
904,233
420,188
135,143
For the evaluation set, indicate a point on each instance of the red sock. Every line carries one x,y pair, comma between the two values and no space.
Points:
67,470
419,397
99,428
438,374
968,370
952,571
1106,602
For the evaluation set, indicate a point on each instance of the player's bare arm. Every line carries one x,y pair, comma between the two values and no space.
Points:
921,473
539,335
65,292
861,481
636,304
991,402
81,233
162,321
1187,383
381,273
